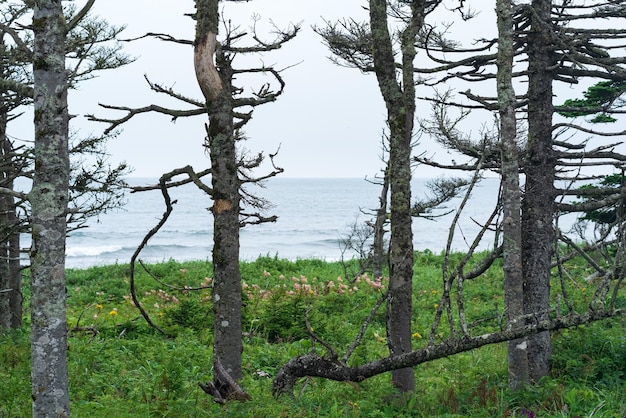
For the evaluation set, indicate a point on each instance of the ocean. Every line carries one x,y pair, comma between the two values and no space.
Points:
313,215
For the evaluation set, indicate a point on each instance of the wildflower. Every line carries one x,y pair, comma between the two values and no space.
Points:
98,306
113,312
434,292
584,289
266,273
436,305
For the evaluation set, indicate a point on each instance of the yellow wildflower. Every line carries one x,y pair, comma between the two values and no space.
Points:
113,312
98,306
416,335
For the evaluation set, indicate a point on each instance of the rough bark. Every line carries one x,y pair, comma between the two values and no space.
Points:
49,198
221,142
400,102
511,226
538,203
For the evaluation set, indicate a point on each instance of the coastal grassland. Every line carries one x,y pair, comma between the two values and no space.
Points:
121,367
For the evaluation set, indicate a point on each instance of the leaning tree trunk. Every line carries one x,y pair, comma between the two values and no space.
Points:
400,103
538,204
511,229
221,140
49,198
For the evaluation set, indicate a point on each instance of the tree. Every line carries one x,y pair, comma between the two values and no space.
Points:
95,187
399,99
511,225
371,48
49,199
540,170
229,107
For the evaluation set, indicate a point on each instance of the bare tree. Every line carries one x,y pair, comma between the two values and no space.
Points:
371,47
228,107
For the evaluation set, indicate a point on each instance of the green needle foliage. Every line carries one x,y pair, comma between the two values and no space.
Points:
599,96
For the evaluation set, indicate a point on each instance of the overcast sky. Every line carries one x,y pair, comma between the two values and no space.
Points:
328,122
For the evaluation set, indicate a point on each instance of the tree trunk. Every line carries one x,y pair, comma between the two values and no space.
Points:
49,198
10,275
378,247
6,202
538,204
221,136
400,105
511,230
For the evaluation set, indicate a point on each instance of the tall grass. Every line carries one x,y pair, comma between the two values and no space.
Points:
121,367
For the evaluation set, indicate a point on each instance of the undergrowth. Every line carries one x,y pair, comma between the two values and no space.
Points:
121,367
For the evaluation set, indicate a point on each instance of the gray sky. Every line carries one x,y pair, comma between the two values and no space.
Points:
328,122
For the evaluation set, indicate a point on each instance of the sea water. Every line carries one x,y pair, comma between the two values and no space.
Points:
313,216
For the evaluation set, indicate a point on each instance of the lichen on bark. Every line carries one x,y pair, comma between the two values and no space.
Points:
49,198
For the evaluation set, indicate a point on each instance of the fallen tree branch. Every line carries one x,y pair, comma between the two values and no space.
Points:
313,365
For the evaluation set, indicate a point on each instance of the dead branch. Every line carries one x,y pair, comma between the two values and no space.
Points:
131,112
313,365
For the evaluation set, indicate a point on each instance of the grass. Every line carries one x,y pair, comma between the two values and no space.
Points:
121,367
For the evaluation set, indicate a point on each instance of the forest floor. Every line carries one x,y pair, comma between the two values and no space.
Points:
121,367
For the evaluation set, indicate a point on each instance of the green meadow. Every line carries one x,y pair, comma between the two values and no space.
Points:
121,367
